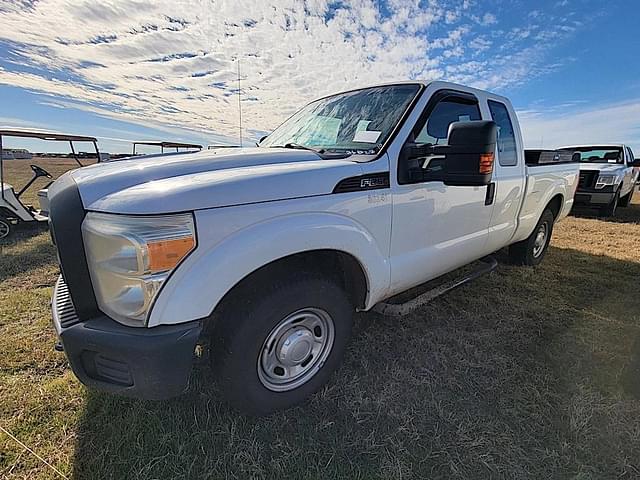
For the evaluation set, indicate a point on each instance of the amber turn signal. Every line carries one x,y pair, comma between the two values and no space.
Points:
166,254
486,163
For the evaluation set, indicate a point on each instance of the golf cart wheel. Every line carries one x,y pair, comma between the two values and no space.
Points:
276,345
610,210
5,228
532,250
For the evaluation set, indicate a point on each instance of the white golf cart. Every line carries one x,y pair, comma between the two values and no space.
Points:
13,212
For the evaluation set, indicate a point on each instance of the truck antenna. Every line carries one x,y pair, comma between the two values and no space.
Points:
239,102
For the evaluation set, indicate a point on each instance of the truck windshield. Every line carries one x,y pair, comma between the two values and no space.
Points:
600,155
355,122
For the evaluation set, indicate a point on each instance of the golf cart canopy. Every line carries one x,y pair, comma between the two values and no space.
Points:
49,136
164,145
44,135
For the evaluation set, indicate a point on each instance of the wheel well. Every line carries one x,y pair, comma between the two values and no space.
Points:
555,205
342,267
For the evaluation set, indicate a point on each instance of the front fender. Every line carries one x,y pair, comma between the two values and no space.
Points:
217,265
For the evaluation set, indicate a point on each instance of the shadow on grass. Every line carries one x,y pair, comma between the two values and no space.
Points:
514,376
629,214
18,256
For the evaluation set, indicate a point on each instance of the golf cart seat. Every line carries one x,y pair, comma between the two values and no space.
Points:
43,200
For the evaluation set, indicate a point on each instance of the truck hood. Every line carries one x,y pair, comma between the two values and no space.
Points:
208,179
611,168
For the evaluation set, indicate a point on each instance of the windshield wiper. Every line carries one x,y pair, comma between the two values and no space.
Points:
297,146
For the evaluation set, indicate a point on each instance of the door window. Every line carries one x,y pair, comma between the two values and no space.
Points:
445,108
447,111
630,152
507,153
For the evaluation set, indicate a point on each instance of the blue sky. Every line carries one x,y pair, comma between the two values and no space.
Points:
161,69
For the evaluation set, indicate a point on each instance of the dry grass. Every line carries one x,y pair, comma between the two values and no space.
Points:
527,373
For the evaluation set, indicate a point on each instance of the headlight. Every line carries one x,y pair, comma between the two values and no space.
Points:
604,180
130,258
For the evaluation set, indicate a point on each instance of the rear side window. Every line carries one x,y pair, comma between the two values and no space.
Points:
507,154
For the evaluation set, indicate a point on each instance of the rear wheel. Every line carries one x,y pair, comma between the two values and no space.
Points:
5,228
532,250
610,209
276,345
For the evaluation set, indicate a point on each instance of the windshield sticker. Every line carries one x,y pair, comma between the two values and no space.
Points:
367,136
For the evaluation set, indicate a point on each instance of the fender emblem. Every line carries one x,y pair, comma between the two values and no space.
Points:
373,182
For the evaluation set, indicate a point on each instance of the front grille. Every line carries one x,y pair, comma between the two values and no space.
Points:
588,179
64,309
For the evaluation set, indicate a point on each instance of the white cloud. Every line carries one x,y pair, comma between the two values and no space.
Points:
569,124
489,19
174,63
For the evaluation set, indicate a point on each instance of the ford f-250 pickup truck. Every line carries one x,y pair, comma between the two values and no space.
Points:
608,176
260,256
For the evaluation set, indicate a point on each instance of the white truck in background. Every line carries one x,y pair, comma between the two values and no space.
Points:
608,176
261,256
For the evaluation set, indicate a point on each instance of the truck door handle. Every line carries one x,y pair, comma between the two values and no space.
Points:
491,193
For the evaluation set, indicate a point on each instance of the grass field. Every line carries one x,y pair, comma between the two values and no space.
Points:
526,373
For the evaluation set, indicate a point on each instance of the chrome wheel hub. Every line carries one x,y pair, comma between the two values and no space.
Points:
295,349
540,241
4,229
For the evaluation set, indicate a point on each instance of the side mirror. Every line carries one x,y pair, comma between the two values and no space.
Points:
466,160
470,153
635,163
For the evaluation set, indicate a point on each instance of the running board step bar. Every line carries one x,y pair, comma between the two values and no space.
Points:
489,264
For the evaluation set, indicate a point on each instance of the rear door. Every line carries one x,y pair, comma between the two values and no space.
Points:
509,173
436,227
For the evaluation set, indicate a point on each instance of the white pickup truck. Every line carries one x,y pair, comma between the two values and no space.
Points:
608,176
257,258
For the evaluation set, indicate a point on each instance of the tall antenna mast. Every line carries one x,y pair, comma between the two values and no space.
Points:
239,101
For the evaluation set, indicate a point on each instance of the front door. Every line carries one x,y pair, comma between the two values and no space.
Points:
436,227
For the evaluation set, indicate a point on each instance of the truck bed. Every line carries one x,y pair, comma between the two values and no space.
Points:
549,174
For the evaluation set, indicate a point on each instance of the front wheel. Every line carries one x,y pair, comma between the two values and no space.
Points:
276,345
610,209
532,250
626,200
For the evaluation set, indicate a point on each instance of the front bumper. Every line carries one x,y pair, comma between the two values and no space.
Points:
594,197
148,363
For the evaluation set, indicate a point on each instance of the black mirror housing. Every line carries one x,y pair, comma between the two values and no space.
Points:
635,163
470,153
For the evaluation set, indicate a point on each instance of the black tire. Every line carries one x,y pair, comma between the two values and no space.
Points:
530,251
610,209
5,228
250,317
626,200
